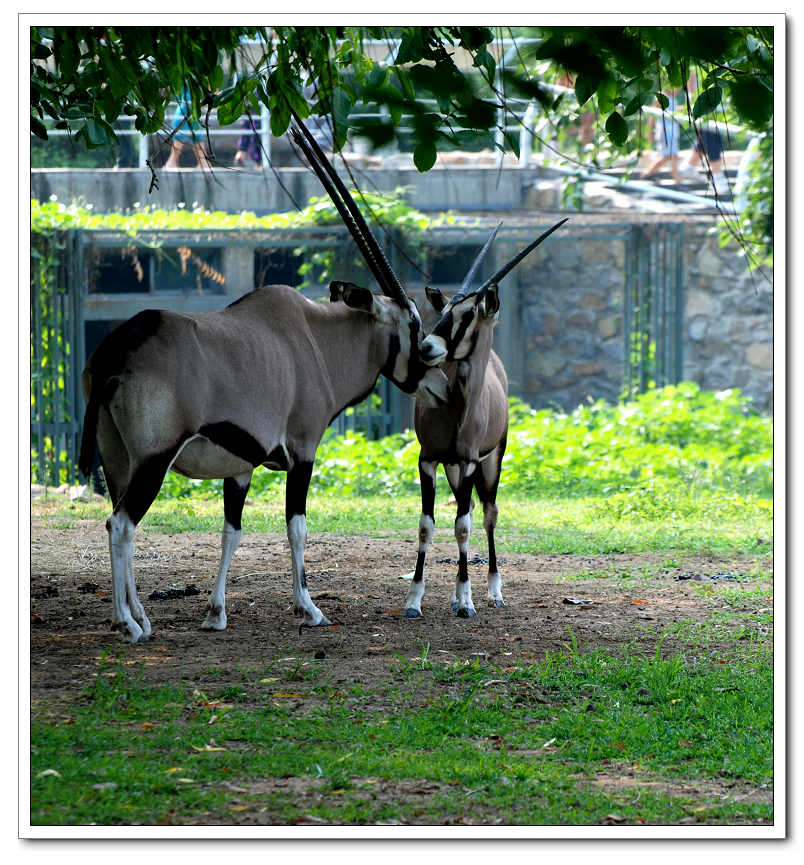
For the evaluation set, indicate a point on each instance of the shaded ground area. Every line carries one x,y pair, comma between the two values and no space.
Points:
616,603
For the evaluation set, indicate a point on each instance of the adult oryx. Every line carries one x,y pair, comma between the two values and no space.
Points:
468,435
214,395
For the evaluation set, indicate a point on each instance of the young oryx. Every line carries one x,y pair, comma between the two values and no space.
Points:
214,395
468,435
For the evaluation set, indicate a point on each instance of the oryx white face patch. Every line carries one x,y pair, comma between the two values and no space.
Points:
433,349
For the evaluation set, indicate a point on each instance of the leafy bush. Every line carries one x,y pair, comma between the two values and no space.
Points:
649,453
390,209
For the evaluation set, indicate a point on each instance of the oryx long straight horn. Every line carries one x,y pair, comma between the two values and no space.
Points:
390,283
505,269
467,280
354,229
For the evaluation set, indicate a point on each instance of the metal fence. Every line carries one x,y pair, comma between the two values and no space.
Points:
653,307
57,407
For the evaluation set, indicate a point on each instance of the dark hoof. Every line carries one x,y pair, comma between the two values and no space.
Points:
498,605
410,613
465,614
454,607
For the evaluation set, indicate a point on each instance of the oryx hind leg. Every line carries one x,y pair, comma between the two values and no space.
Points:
298,484
141,490
427,476
487,480
235,490
461,481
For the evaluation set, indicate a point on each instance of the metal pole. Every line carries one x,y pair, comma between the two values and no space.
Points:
142,150
265,131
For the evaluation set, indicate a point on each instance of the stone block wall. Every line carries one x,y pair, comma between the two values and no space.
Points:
728,320
573,342
571,335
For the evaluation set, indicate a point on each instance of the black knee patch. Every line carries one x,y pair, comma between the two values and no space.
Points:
296,490
234,497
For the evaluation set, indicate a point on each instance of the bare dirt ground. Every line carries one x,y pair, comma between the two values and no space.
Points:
356,583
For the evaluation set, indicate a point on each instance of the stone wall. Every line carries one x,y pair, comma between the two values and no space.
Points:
728,320
572,324
570,311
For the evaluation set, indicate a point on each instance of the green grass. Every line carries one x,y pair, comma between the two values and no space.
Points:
526,742
719,523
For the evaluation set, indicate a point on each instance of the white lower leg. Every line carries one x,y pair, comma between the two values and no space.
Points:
216,607
462,599
134,603
297,536
413,604
121,550
495,581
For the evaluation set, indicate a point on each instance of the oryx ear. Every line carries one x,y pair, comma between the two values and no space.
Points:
357,297
436,298
491,301
336,290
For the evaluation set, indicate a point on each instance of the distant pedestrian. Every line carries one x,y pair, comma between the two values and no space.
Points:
185,129
249,146
708,150
667,137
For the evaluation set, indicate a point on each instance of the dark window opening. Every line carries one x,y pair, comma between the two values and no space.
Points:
186,269
277,267
120,271
450,264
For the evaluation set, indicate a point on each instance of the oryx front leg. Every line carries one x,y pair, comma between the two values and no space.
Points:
121,549
413,604
234,497
295,509
495,581
462,598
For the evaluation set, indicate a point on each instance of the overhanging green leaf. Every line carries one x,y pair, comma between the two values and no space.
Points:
424,155
707,102
617,128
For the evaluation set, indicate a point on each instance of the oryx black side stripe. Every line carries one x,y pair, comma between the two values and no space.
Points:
237,441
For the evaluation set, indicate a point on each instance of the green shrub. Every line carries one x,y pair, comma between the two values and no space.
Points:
651,452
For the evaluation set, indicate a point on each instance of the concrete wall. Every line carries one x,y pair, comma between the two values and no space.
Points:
234,190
